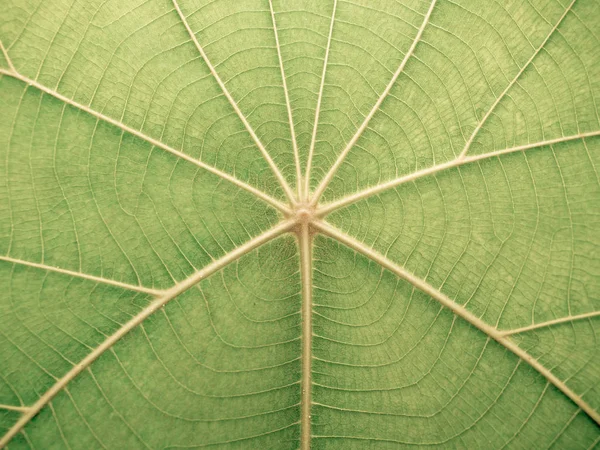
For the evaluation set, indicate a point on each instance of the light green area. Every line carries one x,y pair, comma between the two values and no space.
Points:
96,222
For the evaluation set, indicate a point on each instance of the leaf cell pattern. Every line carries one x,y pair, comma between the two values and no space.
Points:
299,224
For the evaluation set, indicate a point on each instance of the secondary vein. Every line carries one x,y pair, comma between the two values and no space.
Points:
131,287
513,81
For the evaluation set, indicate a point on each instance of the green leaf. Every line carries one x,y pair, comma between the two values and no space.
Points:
299,224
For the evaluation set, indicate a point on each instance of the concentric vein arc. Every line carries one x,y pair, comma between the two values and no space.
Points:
457,162
459,310
234,105
263,196
323,185
154,306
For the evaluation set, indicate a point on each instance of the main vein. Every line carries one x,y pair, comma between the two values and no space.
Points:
267,198
323,185
154,306
235,106
307,334
313,138
288,105
460,311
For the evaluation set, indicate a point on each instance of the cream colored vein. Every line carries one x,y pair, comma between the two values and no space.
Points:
459,310
263,196
288,106
511,84
323,185
8,60
86,276
329,207
21,409
549,323
154,306
313,138
235,106
307,335
593,446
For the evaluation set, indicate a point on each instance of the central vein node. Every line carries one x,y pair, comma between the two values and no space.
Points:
304,214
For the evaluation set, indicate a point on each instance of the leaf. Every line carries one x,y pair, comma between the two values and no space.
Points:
299,224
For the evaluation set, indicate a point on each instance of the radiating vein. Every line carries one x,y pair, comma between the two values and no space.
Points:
307,334
323,185
514,80
549,323
305,237
457,309
328,208
288,105
313,138
235,106
154,306
86,276
267,198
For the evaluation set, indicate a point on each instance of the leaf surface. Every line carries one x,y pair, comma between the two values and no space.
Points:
299,224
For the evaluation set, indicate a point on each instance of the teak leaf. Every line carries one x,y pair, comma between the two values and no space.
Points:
299,224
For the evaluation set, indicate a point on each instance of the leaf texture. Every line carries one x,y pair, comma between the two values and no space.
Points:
299,224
